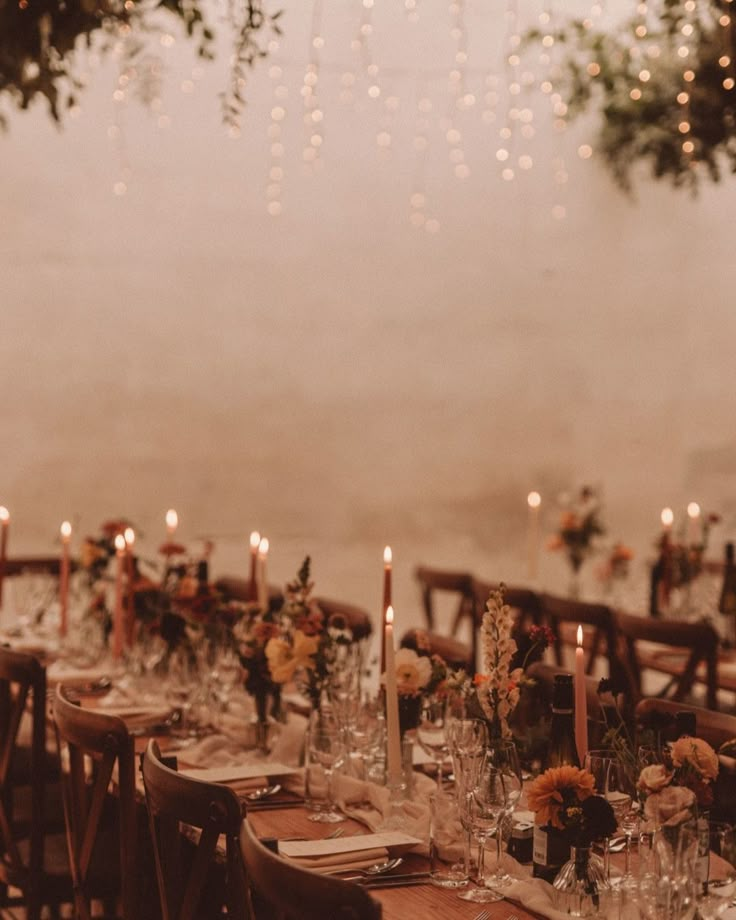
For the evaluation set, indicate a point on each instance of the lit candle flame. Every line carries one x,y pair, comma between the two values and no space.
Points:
4,514
389,615
172,520
693,510
255,540
66,531
120,543
580,636
387,556
534,499
667,517
129,536
263,547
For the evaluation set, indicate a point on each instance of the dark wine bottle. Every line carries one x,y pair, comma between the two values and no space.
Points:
551,851
562,747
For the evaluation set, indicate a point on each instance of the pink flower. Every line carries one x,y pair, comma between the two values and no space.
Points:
654,778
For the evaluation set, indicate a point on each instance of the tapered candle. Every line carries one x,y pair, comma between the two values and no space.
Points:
262,574
129,535
4,527
255,540
534,500
118,621
693,523
66,536
581,701
393,732
667,517
387,572
172,522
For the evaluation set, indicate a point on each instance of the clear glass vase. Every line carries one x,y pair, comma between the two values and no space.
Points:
581,885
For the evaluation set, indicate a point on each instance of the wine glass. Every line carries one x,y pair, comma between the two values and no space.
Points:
467,740
503,756
481,811
327,748
721,887
432,731
610,782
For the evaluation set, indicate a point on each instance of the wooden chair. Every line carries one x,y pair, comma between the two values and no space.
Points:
235,588
101,829
214,810
685,652
357,620
563,617
31,861
714,727
289,892
459,587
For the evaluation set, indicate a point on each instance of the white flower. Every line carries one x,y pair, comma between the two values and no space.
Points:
413,672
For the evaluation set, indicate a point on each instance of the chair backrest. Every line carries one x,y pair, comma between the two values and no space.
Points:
714,727
22,688
357,619
91,745
560,613
698,643
235,588
292,893
437,581
173,798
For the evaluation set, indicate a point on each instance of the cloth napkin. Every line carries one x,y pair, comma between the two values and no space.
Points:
346,853
61,672
340,862
234,744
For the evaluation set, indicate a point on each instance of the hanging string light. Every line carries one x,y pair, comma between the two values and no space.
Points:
313,112
274,186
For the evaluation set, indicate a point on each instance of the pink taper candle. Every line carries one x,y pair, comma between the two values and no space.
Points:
263,596
4,527
581,701
255,540
393,731
118,619
387,569
66,536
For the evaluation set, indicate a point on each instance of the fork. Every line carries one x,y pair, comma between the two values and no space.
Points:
338,832
483,915
512,917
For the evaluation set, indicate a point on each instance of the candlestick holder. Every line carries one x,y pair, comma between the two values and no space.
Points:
396,818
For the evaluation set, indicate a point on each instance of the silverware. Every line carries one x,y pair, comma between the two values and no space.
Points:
395,881
263,792
375,869
483,915
512,917
273,804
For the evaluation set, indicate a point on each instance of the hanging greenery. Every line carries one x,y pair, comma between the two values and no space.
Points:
664,86
41,41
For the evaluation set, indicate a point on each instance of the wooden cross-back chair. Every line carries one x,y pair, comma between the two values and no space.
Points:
714,727
357,620
685,652
174,799
101,828
563,617
25,770
289,892
459,586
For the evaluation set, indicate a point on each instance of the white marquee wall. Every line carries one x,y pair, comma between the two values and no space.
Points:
335,377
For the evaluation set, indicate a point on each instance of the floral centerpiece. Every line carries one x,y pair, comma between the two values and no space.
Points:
680,784
580,524
296,643
419,675
565,804
494,693
679,562
615,567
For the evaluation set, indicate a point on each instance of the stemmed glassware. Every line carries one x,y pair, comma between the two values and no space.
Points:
503,757
467,740
432,731
327,748
481,811
611,783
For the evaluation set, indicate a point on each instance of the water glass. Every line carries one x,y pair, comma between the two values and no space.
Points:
448,867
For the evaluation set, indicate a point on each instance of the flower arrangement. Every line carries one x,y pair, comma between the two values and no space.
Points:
296,643
684,779
580,524
564,798
419,675
498,685
616,565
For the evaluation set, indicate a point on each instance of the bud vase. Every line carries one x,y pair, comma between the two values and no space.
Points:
581,885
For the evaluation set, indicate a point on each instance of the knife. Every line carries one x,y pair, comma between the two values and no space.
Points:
396,881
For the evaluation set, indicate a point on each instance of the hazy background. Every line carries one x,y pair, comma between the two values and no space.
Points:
334,376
